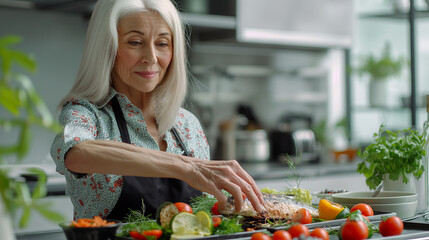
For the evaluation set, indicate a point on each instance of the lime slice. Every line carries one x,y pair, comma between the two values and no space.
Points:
206,223
175,236
185,223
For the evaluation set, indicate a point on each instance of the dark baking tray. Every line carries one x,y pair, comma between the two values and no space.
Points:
215,237
337,222
246,235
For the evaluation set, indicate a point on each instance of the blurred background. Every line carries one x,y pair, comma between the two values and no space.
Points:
268,79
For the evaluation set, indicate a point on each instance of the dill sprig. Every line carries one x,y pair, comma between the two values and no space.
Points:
203,203
137,221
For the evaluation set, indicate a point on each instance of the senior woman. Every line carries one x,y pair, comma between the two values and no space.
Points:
127,143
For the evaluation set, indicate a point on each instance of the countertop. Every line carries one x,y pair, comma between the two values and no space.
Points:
259,171
277,170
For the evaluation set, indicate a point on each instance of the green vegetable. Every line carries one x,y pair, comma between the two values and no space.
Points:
343,214
165,213
137,221
203,203
229,225
300,194
394,153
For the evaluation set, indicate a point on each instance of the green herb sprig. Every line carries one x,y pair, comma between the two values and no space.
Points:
229,225
394,153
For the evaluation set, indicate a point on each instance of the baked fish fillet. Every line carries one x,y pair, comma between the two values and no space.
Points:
277,206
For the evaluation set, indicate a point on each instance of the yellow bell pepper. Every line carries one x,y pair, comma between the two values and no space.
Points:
329,210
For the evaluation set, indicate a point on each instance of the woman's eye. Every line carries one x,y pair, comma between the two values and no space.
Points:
163,44
134,43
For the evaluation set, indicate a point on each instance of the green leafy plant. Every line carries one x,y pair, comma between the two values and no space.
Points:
21,109
394,153
383,67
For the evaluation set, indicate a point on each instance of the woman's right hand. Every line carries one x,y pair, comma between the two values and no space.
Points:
214,176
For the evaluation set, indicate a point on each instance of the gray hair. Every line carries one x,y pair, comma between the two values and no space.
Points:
101,46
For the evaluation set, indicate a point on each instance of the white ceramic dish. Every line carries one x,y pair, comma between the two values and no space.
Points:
384,197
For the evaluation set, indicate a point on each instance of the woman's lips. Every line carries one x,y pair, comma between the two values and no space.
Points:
147,74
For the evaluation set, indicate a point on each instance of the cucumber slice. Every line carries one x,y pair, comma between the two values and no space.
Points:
165,213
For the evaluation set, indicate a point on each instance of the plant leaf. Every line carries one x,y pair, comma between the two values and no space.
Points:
39,190
25,217
44,210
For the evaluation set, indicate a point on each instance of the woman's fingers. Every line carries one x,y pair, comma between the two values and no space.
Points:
230,176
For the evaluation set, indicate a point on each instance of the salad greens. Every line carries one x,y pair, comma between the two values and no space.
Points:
394,153
136,220
229,225
203,203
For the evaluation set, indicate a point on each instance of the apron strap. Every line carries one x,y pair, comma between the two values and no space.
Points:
122,124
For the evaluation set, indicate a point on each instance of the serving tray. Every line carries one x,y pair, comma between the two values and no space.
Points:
332,224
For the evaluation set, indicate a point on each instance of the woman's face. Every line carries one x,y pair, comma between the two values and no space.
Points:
145,50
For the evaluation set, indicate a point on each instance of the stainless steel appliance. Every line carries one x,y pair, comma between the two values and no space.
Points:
294,138
252,146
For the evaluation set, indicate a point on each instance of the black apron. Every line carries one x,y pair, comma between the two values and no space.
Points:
153,191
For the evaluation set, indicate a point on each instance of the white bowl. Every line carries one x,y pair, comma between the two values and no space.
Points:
384,197
402,210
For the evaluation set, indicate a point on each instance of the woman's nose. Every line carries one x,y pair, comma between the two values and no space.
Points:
149,55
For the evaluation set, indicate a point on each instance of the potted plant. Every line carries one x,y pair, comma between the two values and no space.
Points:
393,156
379,69
22,108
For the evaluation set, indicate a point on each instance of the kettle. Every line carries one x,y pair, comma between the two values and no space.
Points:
294,138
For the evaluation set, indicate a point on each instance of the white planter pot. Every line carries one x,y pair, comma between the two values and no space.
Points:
399,185
377,93
6,229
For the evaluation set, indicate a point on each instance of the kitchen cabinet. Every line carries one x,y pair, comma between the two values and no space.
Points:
322,23
406,103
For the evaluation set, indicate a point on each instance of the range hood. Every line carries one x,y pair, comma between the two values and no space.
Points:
73,6
289,23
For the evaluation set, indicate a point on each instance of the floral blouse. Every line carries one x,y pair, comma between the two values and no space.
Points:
97,194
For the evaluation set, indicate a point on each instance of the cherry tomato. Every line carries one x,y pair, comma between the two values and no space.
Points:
281,235
216,221
320,233
391,226
302,216
145,234
137,235
154,232
215,209
365,209
297,230
183,207
260,236
354,230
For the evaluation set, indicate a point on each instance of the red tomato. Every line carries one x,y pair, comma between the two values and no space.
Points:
365,209
260,236
183,207
216,221
282,235
302,216
320,233
215,209
154,232
137,235
391,226
297,230
354,230
142,236
243,196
